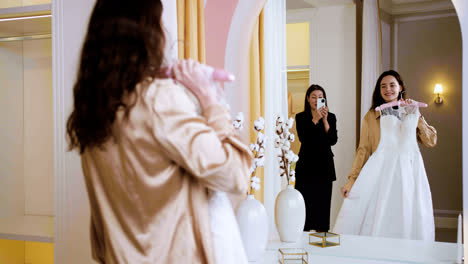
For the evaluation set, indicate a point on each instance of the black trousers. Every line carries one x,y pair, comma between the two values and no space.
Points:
317,197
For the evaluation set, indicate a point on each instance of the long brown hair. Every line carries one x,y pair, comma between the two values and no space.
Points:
377,98
123,46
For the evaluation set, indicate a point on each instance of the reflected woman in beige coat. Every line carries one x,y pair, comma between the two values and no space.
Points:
389,88
148,156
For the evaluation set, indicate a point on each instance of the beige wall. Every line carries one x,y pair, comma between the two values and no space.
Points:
38,127
297,44
11,129
332,57
430,52
26,137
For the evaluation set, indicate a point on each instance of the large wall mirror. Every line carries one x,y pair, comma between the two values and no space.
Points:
422,41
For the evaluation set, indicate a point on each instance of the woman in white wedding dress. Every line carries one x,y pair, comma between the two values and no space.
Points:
388,193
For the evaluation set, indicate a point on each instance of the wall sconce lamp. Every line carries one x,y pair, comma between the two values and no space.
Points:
438,91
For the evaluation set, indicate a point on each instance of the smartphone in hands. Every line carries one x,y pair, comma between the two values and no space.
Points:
321,102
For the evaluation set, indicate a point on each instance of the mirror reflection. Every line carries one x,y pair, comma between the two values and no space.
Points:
424,48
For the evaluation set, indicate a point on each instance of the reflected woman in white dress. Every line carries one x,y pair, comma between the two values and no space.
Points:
388,193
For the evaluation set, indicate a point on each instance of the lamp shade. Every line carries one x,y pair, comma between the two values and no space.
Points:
438,89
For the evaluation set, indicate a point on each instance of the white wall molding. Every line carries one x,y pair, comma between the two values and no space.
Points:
59,125
314,52
395,47
421,7
425,16
14,11
300,15
446,218
320,3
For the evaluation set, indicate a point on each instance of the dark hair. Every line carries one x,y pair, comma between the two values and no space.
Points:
312,88
377,98
123,46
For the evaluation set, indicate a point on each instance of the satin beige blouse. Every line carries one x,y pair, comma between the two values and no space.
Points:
147,186
370,138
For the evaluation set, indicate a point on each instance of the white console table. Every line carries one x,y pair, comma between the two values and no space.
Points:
367,250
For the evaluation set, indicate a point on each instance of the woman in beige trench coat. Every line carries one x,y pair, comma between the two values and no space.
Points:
148,155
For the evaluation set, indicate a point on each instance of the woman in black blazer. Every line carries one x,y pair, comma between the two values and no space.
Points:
315,169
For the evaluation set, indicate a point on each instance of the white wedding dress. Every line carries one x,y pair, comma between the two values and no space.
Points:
391,196
227,241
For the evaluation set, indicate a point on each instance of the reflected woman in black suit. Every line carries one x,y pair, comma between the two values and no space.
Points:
315,170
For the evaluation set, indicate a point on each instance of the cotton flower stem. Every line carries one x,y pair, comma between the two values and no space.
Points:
286,165
251,190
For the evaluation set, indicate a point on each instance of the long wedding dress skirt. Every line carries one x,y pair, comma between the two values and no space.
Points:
227,241
391,197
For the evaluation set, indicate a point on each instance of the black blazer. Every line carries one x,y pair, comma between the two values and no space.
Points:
315,155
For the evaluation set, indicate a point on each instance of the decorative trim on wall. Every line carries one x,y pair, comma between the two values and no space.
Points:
421,7
425,17
59,128
297,67
385,17
446,218
300,15
25,10
395,47
314,54
31,37
319,3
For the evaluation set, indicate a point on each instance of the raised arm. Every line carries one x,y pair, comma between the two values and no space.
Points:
332,134
205,146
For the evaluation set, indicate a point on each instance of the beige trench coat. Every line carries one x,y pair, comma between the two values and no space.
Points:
147,186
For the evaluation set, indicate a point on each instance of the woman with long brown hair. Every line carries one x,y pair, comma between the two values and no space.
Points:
388,193
150,147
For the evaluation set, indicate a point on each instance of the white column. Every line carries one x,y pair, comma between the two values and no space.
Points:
371,53
69,25
169,18
275,97
461,6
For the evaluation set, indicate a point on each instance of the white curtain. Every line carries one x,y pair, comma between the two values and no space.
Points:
371,52
275,97
169,17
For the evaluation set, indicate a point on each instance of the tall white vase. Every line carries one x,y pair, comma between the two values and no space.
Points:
290,214
253,226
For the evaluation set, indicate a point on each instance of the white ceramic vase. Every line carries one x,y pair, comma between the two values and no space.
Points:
290,214
253,226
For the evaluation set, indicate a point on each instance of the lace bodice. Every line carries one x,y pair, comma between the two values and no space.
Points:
398,128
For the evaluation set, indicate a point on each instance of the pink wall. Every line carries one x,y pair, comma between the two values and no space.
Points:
218,17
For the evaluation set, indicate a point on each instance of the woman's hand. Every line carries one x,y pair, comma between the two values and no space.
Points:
324,112
407,101
190,74
347,187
